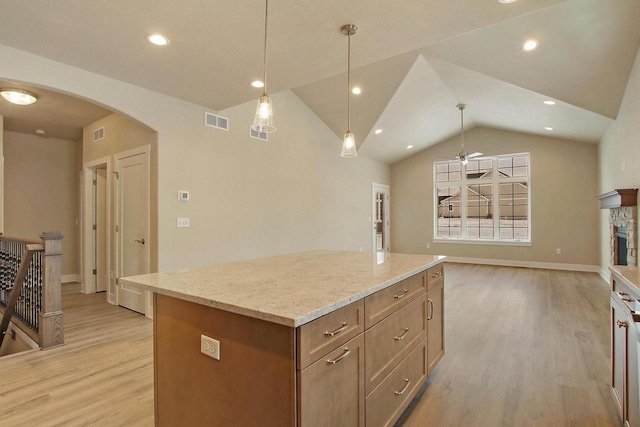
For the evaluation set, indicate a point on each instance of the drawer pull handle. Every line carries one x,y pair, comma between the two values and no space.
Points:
406,386
406,291
622,293
627,299
437,274
344,326
345,354
621,324
430,316
404,334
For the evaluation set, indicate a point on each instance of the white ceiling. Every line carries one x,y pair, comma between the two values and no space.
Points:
415,59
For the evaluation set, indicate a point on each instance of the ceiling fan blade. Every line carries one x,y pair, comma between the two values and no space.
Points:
476,154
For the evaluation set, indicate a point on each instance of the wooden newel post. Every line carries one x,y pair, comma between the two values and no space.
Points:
51,329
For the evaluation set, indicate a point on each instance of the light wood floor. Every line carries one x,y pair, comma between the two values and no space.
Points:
102,376
524,348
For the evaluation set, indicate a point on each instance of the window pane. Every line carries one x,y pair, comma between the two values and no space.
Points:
447,172
479,169
480,211
514,204
513,166
449,221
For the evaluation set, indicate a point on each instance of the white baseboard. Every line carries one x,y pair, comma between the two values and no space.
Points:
68,278
605,274
527,264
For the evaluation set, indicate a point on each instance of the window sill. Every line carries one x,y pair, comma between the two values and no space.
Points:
484,242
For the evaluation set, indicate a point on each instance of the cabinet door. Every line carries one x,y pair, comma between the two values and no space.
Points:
331,390
435,324
618,355
633,376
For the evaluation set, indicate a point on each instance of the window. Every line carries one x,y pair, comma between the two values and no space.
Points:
487,200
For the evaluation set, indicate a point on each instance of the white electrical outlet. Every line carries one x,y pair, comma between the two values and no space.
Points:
183,223
210,347
428,245
558,251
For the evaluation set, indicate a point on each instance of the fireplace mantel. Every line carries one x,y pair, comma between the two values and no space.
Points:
619,198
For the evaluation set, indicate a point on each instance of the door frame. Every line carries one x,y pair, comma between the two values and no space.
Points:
146,151
88,284
376,188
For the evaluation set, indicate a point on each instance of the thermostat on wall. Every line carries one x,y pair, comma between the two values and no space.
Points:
183,196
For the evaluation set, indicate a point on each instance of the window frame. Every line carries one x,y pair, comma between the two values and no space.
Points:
495,181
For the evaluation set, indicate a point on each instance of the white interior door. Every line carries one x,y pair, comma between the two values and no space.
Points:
101,230
132,226
380,218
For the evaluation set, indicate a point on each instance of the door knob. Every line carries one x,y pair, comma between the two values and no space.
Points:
139,241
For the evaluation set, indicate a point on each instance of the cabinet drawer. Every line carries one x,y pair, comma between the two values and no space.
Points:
332,389
387,402
319,337
435,275
383,303
390,341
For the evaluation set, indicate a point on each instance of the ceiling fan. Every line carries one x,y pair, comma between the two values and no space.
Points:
463,156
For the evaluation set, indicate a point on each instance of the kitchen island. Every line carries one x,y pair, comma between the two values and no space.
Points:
309,339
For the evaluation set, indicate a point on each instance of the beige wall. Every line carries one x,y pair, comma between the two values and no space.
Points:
563,191
41,191
249,198
621,144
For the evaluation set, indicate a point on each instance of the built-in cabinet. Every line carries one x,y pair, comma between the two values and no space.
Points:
625,349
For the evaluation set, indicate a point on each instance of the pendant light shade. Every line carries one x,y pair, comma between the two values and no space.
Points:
349,141
263,120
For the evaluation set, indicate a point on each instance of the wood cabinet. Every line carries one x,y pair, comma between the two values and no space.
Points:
625,357
360,365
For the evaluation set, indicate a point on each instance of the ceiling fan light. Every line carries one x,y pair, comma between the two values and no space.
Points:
349,145
18,97
465,161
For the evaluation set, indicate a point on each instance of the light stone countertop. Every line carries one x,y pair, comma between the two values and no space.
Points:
629,274
287,289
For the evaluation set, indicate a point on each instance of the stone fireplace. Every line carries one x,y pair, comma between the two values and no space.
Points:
623,224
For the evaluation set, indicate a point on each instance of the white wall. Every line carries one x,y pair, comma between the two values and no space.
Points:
249,198
621,144
564,207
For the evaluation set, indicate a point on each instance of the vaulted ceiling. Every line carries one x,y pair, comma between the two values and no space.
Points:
414,59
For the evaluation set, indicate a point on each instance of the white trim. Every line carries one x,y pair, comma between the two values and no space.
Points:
605,274
70,278
526,264
483,242
385,189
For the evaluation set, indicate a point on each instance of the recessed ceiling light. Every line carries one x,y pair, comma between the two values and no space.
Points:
530,45
378,131
548,128
506,1
550,102
257,83
356,90
40,132
158,39
18,97
409,147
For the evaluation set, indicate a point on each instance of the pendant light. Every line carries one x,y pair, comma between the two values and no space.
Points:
263,121
349,141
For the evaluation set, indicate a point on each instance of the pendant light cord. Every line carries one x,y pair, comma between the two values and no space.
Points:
266,11
462,126
349,82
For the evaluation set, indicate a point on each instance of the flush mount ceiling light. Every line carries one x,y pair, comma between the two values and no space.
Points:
409,147
263,120
529,45
18,97
550,102
463,156
548,128
356,91
257,83
158,39
378,131
349,140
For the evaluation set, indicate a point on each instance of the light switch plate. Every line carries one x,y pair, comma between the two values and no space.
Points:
183,223
210,347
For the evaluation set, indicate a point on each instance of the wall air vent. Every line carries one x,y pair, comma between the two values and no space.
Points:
215,121
262,136
98,134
